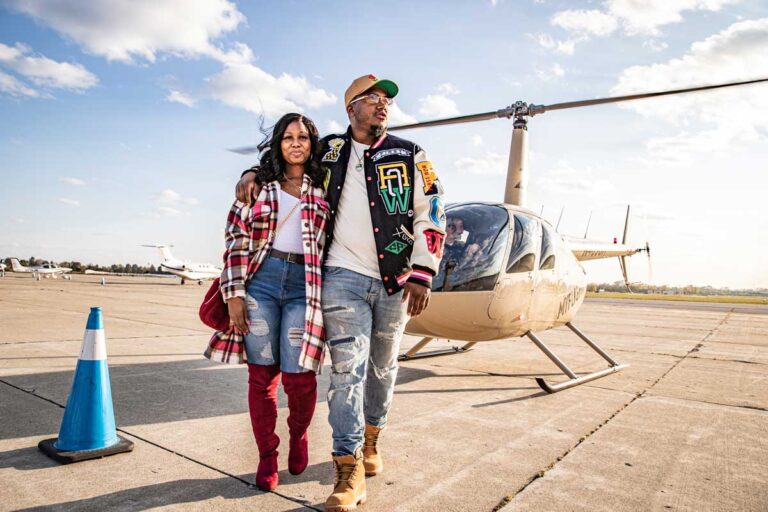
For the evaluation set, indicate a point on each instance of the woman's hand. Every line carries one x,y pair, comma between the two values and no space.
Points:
238,314
247,189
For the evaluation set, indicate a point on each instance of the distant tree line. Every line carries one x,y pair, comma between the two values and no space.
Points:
619,286
79,267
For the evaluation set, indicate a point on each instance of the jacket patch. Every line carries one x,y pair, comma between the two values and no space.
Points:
394,187
435,241
429,176
390,152
403,234
436,212
396,247
335,151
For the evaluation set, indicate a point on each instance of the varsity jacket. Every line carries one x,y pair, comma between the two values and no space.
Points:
406,200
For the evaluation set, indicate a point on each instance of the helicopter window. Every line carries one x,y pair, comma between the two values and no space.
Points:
523,253
547,257
476,237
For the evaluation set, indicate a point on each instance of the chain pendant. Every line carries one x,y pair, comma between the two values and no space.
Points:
359,166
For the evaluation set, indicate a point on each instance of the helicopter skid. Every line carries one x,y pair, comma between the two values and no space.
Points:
574,380
413,352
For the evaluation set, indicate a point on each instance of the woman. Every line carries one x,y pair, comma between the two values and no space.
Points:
271,284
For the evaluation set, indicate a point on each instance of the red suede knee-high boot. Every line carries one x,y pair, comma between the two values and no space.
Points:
301,389
262,404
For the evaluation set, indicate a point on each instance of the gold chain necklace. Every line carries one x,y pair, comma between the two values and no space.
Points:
287,180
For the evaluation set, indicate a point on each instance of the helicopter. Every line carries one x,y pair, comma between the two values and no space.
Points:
506,272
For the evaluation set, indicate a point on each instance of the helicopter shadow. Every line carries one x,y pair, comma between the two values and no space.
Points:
408,375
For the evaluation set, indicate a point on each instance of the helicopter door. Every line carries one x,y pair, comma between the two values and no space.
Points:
548,284
515,288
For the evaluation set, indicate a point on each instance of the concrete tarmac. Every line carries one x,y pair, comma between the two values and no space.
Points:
685,427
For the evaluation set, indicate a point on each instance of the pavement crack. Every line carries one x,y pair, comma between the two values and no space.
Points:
541,473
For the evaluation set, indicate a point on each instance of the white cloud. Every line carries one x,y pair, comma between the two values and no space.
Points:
167,211
334,127
566,47
437,105
566,179
592,22
168,200
168,196
71,181
447,88
631,17
550,73
250,88
45,72
397,116
10,85
486,165
180,97
708,121
654,45
646,17
71,202
477,140
124,29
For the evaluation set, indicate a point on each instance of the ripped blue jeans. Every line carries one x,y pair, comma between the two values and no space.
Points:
276,300
363,328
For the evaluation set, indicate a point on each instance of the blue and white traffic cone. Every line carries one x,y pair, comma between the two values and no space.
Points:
88,429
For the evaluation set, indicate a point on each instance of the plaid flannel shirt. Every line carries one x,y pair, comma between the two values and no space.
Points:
249,235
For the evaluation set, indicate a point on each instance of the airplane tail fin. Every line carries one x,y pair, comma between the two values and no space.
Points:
17,266
165,251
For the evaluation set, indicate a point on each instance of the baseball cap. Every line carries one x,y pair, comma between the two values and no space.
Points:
365,82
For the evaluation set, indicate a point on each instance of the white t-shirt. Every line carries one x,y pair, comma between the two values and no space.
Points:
288,238
353,246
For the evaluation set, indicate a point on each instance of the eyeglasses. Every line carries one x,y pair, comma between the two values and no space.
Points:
374,99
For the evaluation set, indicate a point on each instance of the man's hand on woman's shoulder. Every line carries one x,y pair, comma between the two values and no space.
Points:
247,189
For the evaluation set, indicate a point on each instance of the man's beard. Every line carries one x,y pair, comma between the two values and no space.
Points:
377,130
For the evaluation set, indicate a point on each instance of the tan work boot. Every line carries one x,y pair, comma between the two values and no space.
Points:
371,458
349,489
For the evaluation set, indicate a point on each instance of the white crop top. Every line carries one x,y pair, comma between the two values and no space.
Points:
288,238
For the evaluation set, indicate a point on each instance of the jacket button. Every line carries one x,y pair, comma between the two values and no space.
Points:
389,290
386,278
333,211
369,178
338,187
373,204
375,230
381,256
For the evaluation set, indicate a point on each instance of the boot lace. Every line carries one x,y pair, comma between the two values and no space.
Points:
344,472
371,438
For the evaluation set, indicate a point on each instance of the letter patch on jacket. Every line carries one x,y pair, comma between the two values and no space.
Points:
394,187
333,154
434,242
429,176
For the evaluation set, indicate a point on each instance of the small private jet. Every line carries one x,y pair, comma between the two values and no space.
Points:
186,270
47,269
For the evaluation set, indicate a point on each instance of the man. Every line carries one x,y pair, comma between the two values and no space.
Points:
385,240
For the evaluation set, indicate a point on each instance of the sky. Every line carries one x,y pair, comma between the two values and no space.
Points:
116,116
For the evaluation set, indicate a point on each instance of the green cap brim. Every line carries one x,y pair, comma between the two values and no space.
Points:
389,86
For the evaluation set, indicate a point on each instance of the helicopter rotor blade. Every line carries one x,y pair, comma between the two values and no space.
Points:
452,120
629,97
246,150
522,109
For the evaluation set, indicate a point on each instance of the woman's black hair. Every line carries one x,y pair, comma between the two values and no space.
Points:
271,165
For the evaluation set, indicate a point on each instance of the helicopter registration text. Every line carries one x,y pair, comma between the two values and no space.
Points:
570,300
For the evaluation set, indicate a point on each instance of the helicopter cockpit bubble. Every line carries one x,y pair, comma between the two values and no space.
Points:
475,246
